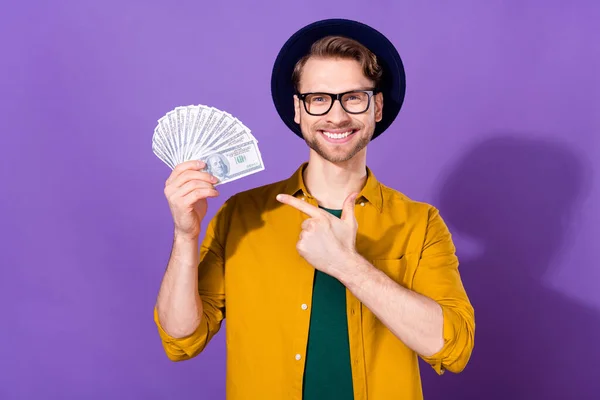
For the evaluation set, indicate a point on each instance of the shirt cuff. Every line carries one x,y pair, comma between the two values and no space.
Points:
182,348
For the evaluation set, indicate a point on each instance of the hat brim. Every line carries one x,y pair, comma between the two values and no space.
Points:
393,83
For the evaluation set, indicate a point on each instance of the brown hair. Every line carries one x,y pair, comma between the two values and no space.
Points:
341,47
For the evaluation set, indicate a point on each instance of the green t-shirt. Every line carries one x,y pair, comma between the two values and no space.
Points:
328,373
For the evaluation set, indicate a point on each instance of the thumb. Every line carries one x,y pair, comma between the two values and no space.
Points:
348,208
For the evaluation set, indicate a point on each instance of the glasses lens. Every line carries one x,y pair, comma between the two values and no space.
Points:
317,103
356,102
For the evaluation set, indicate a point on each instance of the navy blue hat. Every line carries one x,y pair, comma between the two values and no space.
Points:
393,82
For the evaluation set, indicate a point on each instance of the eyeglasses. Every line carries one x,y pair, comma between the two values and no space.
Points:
353,102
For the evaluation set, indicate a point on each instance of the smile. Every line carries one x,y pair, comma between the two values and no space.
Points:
341,135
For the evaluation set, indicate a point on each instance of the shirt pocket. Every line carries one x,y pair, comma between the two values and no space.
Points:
396,269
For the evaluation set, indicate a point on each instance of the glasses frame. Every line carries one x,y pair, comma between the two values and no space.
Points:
338,96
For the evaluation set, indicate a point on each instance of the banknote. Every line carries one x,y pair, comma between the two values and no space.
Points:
199,116
162,156
220,125
203,132
234,134
161,140
234,162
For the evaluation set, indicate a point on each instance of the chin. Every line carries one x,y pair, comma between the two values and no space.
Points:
338,149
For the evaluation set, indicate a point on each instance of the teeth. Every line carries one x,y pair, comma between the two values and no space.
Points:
337,135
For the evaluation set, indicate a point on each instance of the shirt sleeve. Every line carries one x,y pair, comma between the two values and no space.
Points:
211,288
438,278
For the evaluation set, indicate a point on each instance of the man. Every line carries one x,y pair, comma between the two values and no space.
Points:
333,284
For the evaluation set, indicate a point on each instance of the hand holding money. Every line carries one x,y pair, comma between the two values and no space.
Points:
326,242
186,190
205,133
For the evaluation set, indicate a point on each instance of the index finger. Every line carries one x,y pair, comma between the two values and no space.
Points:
303,206
184,166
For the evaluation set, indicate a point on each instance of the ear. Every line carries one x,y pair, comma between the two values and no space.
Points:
378,106
296,109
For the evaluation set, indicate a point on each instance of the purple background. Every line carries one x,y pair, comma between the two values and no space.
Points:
500,130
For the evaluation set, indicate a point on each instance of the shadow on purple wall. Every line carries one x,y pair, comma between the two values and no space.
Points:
519,198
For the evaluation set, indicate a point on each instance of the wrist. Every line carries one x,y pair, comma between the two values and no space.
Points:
185,250
185,238
356,269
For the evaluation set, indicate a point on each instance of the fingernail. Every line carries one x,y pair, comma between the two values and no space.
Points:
201,164
214,179
278,197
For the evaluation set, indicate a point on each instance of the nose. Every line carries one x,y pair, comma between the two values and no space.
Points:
337,115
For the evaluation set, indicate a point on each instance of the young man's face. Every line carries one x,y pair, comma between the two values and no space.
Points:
336,136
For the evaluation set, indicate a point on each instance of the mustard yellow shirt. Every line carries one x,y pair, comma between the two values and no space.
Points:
251,272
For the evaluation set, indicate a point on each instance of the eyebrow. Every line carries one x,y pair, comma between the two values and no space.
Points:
343,91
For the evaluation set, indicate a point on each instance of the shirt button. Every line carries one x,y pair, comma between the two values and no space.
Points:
303,199
298,356
304,306
362,203
352,311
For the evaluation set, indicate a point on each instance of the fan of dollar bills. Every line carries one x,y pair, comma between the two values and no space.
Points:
199,132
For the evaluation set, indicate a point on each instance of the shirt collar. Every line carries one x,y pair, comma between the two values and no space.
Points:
371,191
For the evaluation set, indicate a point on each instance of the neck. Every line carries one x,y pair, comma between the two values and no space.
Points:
331,183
